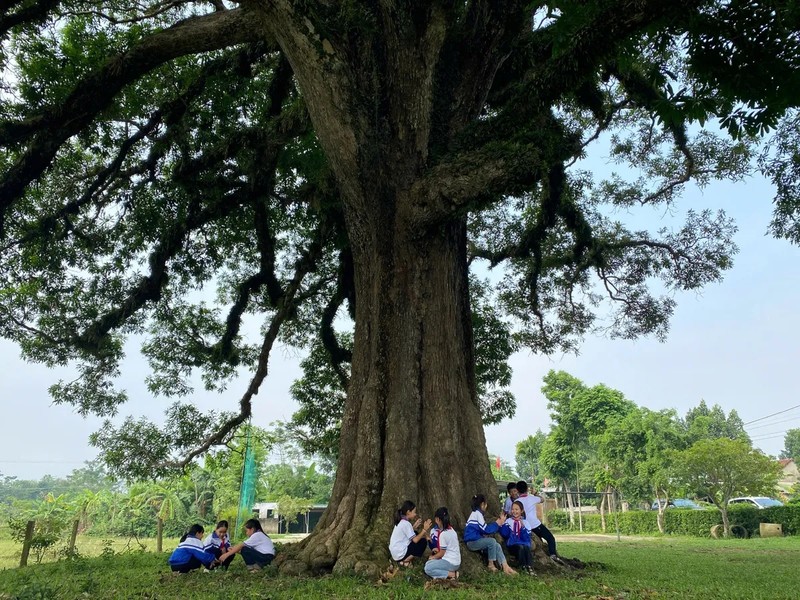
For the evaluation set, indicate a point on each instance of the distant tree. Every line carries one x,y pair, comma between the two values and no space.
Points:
527,457
92,476
87,504
639,450
579,414
711,423
300,482
290,508
791,445
722,468
165,500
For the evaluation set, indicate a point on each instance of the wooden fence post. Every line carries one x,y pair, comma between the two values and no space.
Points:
73,537
26,544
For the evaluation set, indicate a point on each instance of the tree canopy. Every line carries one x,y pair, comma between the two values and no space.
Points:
186,173
791,444
722,468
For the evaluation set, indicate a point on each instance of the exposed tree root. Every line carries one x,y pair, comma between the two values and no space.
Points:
316,555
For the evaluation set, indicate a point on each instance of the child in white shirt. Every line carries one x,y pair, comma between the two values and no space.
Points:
446,559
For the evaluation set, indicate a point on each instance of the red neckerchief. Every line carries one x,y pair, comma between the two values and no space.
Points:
223,543
516,527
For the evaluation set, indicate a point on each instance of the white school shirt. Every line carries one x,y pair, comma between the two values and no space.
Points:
260,542
529,503
507,505
448,541
402,534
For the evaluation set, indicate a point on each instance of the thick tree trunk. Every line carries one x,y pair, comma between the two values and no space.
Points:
411,427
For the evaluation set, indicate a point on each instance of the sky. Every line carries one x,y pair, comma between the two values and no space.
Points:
734,344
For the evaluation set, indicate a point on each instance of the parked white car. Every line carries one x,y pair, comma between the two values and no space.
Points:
757,501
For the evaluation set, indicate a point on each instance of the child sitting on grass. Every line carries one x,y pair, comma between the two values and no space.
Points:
405,542
257,550
478,535
189,554
217,542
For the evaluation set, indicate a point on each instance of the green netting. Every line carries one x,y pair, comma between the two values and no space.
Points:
247,490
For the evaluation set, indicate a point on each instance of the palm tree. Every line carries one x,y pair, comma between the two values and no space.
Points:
164,498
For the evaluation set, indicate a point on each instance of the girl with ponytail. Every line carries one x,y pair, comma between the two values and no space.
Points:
446,559
189,554
405,542
257,550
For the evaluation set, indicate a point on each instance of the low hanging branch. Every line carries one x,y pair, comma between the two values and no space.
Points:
287,307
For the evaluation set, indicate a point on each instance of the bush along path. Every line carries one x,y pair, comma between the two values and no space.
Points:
696,523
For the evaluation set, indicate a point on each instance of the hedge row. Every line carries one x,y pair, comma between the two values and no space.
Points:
684,521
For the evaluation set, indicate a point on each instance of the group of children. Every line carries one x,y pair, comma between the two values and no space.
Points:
215,550
515,526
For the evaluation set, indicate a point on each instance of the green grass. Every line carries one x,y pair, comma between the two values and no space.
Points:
87,546
647,569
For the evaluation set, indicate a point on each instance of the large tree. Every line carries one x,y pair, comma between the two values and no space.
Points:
722,468
639,450
181,170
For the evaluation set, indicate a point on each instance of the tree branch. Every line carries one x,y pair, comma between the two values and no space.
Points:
475,178
47,131
287,307
590,45
150,287
33,13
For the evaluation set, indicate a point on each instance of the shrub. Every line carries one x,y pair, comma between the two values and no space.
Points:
46,532
678,521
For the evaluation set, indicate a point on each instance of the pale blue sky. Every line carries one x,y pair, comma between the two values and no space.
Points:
734,344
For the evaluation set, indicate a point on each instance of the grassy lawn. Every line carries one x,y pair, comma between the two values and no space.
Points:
87,546
648,569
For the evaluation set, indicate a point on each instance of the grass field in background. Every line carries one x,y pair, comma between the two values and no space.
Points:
649,569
